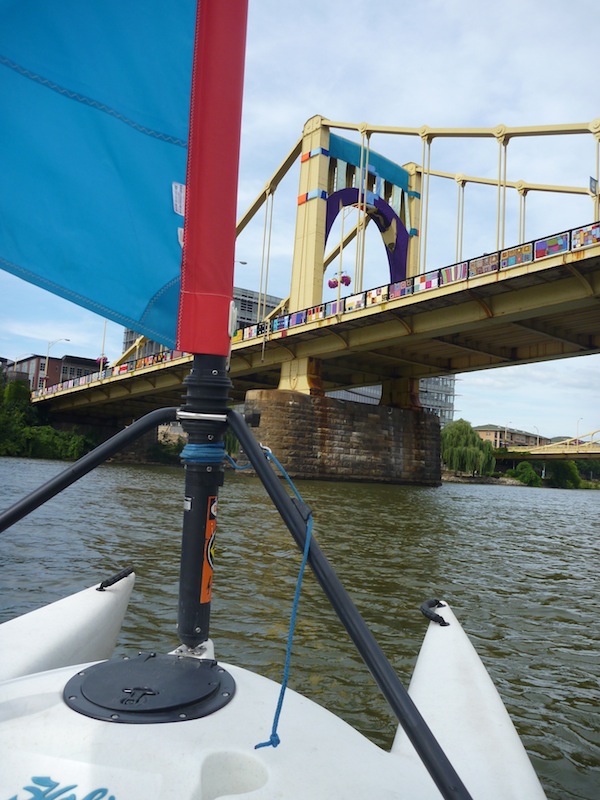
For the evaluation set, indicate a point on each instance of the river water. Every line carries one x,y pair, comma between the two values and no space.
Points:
519,567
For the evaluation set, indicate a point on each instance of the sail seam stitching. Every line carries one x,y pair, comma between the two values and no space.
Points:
89,101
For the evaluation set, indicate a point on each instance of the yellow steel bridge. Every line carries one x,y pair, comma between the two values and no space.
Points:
524,301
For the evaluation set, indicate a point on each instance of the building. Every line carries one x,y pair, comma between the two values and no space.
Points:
249,306
503,436
32,368
252,306
436,395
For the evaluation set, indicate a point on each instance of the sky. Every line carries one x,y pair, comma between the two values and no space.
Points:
456,63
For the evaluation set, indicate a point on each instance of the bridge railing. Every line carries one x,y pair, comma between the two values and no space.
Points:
572,240
133,365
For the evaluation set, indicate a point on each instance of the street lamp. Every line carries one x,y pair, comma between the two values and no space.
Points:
51,344
577,434
537,444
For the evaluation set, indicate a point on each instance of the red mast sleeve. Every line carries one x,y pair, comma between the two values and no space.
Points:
212,176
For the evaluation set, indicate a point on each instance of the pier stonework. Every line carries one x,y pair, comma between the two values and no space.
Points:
328,439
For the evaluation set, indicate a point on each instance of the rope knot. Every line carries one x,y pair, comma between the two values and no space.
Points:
274,740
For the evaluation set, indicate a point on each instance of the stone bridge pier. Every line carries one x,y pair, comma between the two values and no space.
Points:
322,438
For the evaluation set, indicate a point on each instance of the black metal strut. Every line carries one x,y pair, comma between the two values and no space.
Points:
84,465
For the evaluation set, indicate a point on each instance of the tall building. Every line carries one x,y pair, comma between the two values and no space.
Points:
249,305
436,395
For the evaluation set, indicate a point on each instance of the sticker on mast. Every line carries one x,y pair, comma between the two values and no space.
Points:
209,551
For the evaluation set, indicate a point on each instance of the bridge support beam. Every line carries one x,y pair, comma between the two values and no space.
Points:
400,393
302,375
322,438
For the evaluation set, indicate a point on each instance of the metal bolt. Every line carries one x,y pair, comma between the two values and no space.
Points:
197,630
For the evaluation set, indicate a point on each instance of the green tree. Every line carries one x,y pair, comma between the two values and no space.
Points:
589,468
564,475
12,419
526,474
22,435
463,450
17,398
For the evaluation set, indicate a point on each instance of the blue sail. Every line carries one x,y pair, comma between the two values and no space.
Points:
94,110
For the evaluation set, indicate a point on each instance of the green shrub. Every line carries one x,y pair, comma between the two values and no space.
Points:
526,474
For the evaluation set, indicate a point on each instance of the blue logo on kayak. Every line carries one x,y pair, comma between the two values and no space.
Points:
45,788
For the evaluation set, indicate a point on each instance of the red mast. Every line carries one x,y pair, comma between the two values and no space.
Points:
212,175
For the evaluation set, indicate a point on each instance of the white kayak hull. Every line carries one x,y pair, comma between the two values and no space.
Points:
82,627
461,705
320,756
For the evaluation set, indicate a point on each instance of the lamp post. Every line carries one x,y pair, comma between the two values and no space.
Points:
506,433
577,434
537,442
102,359
51,344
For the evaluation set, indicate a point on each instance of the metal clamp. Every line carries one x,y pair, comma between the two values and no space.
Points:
201,416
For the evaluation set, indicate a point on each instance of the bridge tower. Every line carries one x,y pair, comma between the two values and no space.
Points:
303,374
318,436
335,172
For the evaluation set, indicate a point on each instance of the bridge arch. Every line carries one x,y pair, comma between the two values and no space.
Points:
393,232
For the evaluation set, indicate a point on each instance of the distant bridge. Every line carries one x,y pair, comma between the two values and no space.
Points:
582,447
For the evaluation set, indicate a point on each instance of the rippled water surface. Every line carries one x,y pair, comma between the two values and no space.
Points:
518,565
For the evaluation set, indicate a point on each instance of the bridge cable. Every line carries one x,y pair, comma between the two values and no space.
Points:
426,221
360,229
359,286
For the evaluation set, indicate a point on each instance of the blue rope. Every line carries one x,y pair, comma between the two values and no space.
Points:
211,453
274,739
214,453
235,465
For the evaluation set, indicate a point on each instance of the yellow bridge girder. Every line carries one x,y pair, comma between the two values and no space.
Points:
533,312
571,449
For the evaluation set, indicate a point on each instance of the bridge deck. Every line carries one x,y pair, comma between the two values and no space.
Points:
532,312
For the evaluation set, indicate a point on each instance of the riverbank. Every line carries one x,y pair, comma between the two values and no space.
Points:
450,477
